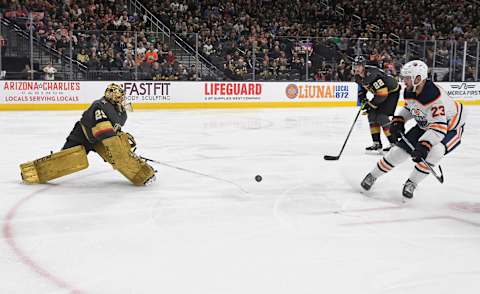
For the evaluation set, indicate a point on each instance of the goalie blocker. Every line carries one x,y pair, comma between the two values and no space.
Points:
115,150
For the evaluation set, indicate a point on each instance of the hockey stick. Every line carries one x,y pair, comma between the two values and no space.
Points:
430,167
194,172
337,157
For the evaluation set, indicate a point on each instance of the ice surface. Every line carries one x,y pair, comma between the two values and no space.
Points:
304,229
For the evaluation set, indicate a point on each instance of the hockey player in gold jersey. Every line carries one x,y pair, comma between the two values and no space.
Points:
99,130
439,127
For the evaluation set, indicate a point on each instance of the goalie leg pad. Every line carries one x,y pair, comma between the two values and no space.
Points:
117,151
55,165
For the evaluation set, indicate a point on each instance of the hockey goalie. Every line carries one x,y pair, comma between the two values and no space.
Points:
98,130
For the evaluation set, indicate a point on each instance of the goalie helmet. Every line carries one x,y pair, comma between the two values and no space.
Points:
115,94
413,69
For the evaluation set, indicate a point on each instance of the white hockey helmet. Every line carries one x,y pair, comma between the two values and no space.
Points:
412,70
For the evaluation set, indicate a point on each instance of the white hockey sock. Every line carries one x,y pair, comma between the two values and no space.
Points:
419,173
396,156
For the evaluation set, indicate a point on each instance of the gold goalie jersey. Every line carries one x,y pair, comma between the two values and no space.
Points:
434,111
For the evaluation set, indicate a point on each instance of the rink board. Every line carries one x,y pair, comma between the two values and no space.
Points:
75,95
59,95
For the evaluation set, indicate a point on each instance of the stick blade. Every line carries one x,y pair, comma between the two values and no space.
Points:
440,179
330,157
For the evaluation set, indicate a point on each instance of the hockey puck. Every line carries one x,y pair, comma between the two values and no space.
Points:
258,178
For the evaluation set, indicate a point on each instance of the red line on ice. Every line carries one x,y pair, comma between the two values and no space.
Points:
22,255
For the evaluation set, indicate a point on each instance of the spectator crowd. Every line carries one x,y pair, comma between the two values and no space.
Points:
228,31
103,36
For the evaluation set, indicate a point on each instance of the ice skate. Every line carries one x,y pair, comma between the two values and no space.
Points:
408,189
376,148
368,182
386,149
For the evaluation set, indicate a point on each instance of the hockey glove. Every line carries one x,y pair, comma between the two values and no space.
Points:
369,106
362,95
366,108
421,151
397,126
363,100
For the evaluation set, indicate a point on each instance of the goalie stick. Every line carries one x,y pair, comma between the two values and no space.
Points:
195,173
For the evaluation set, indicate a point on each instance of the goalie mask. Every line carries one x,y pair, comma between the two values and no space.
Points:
116,95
